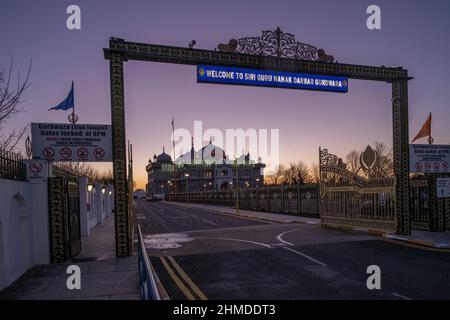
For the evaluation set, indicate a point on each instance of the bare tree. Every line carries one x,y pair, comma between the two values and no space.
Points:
106,177
79,169
11,98
386,158
277,177
296,173
352,160
84,169
314,173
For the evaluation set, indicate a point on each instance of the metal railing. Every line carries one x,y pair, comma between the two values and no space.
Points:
11,166
147,282
286,199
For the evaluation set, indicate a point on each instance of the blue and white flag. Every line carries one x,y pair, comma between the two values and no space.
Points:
68,103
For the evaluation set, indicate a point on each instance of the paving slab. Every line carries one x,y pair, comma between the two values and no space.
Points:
439,240
103,277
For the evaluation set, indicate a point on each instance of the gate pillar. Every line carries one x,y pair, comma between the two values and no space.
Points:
401,154
122,227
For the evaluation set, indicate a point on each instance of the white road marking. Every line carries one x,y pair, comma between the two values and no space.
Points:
240,240
306,256
280,237
400,296
210,222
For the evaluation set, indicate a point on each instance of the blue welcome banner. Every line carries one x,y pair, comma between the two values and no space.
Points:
267,78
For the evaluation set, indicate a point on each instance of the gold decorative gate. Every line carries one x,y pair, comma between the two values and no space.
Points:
347,199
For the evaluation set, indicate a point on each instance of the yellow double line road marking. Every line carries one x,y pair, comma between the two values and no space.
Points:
180,284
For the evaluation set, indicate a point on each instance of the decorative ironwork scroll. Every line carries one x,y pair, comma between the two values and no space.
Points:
328,159
370,163
347,199
276,43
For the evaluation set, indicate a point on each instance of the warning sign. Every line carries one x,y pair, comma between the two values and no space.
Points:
82,153
99,153
66,153
429,158
443,187
35,167
48,153
71,142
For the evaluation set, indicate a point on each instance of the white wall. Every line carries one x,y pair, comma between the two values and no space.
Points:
24,220
24,230
19,240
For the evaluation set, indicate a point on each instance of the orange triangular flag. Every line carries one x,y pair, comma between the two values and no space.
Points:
426,129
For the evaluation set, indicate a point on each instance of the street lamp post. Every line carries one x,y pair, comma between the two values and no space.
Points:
231,188
237,186
257,195
187,187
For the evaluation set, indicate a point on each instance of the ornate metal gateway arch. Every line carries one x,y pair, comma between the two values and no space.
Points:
274,50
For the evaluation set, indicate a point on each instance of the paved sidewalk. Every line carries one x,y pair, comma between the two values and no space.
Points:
266,216
103,277
440,240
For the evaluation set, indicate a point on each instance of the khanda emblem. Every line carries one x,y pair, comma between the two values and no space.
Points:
201,72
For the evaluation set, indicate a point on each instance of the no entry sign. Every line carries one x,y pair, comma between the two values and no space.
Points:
71,142
429,158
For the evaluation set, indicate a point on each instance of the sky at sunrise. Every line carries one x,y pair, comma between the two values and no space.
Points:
414,35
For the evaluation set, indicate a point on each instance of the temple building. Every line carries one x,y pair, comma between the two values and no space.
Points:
207,169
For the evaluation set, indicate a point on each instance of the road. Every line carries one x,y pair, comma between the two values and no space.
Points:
204,255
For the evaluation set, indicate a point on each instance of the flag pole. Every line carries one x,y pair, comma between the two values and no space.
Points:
73,109
173,147
72,117
173,138
430,138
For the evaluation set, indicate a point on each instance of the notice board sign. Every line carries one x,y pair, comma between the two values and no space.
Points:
429,158
72,142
